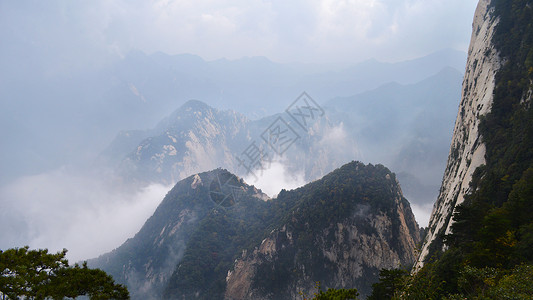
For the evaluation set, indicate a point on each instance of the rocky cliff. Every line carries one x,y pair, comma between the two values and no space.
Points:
343,230
467,151
215,237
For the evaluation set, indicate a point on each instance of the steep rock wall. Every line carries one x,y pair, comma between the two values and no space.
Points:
346,254
467,152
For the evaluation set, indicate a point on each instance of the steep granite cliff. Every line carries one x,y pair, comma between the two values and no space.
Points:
343,229
467,151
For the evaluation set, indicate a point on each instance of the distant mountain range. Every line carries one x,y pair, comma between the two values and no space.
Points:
339,230
85,109
405,126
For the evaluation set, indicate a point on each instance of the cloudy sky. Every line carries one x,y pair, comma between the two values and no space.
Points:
43,37
284,31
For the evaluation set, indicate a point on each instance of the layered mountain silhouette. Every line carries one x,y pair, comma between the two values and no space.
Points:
405,126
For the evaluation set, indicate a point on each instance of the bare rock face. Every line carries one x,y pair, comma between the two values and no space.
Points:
195,138
467,151
343,252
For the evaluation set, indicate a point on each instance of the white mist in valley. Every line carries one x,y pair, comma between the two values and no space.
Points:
66,209
274,178
422,213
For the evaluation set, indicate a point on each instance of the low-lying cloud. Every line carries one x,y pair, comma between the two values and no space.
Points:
82,213
276,177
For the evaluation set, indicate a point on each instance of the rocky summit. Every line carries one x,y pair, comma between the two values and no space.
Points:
215,237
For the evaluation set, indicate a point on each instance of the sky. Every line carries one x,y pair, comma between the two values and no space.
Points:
309,31
63,36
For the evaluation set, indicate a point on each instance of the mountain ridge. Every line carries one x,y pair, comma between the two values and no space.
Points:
191,239
146,261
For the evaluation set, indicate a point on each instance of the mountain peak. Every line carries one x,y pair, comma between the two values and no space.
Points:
187,112
195,105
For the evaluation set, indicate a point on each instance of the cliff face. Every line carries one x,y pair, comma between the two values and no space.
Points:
369,226
467,151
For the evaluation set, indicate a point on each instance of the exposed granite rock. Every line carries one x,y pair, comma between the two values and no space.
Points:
347,253
467,151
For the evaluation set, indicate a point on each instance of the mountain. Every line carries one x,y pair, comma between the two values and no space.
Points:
340,232
194,138
372,74
86,107
468,149
197,137
214,237
480,237
405,126
146,262
271,84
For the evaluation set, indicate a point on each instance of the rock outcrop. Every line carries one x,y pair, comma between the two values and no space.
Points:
195,138
467,151
338,249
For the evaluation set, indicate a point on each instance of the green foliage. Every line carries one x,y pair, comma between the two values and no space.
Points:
516,285
37,274
333,294
436,279
337,294
492,283
390,283
472,283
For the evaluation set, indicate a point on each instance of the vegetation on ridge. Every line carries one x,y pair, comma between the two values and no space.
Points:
308,213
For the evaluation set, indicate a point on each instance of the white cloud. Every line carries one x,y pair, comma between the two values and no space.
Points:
83,214
275,178
336,136
339,144
422,213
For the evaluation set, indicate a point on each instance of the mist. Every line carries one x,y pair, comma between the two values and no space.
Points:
67,209
74,75
274,178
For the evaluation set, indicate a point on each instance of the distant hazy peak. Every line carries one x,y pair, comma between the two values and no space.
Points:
195,105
